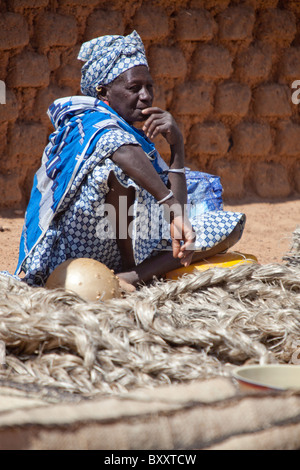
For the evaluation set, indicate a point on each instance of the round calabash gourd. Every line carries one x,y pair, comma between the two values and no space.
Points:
90,279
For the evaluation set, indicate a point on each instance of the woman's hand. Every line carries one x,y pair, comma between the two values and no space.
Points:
161,122
182,230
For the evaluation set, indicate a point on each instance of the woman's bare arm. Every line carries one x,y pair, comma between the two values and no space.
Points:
162,122
135,163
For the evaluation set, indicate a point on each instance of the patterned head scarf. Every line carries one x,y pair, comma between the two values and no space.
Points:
107,57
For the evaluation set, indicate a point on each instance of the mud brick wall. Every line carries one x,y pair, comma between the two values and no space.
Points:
224,69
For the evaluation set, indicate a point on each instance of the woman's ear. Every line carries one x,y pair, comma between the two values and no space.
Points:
101,92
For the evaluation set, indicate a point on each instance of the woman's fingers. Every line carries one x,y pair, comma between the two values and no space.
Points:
181,230
185,256
153,121
187,251
151,113
159,122
152,110
156,126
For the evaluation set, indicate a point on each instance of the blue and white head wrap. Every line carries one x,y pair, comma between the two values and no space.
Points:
107,57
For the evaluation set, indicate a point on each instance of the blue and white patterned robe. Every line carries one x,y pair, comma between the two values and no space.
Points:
66,215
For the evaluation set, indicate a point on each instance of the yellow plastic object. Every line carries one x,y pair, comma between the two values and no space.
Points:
225,260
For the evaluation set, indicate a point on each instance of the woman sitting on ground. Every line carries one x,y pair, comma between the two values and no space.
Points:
103,192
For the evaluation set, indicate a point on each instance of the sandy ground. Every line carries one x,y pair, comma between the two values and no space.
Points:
268,232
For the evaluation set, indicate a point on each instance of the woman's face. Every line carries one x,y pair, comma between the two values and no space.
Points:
130,93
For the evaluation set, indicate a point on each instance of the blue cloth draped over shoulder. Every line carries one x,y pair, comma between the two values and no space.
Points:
79,122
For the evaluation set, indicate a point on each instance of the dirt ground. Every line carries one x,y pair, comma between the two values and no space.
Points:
268,232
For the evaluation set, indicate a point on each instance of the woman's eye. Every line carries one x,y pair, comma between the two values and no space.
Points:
134,89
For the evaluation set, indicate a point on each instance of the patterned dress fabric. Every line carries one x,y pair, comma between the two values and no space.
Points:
72,222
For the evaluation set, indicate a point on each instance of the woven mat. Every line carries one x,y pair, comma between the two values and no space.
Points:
209,414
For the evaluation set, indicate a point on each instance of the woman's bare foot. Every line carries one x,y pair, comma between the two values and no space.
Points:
164,262
124,285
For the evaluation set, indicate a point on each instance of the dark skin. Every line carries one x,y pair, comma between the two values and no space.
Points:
131,96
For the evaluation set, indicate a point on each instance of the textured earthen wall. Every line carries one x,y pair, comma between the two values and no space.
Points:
223,68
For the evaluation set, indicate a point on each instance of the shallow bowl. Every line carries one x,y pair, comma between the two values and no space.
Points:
268,377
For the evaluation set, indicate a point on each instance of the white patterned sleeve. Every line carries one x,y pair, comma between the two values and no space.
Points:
111,140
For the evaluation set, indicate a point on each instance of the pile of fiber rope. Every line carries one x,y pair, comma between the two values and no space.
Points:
196,327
